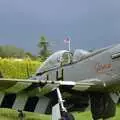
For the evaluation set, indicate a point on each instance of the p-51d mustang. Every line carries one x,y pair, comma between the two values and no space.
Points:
80,78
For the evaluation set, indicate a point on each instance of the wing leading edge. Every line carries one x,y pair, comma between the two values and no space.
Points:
12,85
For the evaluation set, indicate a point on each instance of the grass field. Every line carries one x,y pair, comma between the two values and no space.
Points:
8,114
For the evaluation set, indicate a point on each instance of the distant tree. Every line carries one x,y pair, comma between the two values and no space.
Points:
43,46
30,55
1,52
11,51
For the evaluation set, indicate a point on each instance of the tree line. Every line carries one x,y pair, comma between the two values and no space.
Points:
7,51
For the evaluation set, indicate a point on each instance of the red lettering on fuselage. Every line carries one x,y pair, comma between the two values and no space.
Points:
100,68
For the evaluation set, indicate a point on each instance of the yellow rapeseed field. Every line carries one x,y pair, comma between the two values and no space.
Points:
18,68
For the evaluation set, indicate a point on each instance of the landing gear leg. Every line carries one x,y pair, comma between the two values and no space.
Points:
60,100
59,112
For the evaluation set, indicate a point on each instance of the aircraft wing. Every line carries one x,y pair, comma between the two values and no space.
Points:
30,95
82,85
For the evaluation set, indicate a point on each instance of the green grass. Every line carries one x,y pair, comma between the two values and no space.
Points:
8,114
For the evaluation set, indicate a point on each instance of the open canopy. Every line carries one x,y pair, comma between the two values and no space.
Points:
55,60
61,57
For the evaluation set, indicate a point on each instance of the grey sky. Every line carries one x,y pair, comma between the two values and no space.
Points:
89,23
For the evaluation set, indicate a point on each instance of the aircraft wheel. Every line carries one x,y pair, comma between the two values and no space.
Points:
67,116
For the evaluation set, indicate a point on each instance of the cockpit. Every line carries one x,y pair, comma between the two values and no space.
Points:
61,58
55,60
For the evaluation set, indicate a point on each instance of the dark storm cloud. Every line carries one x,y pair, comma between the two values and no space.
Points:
90,23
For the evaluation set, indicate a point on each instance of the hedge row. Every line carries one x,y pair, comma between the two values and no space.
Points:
11,68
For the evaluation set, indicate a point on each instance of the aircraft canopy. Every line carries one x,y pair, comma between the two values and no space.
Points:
61,57
79,54
55,60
